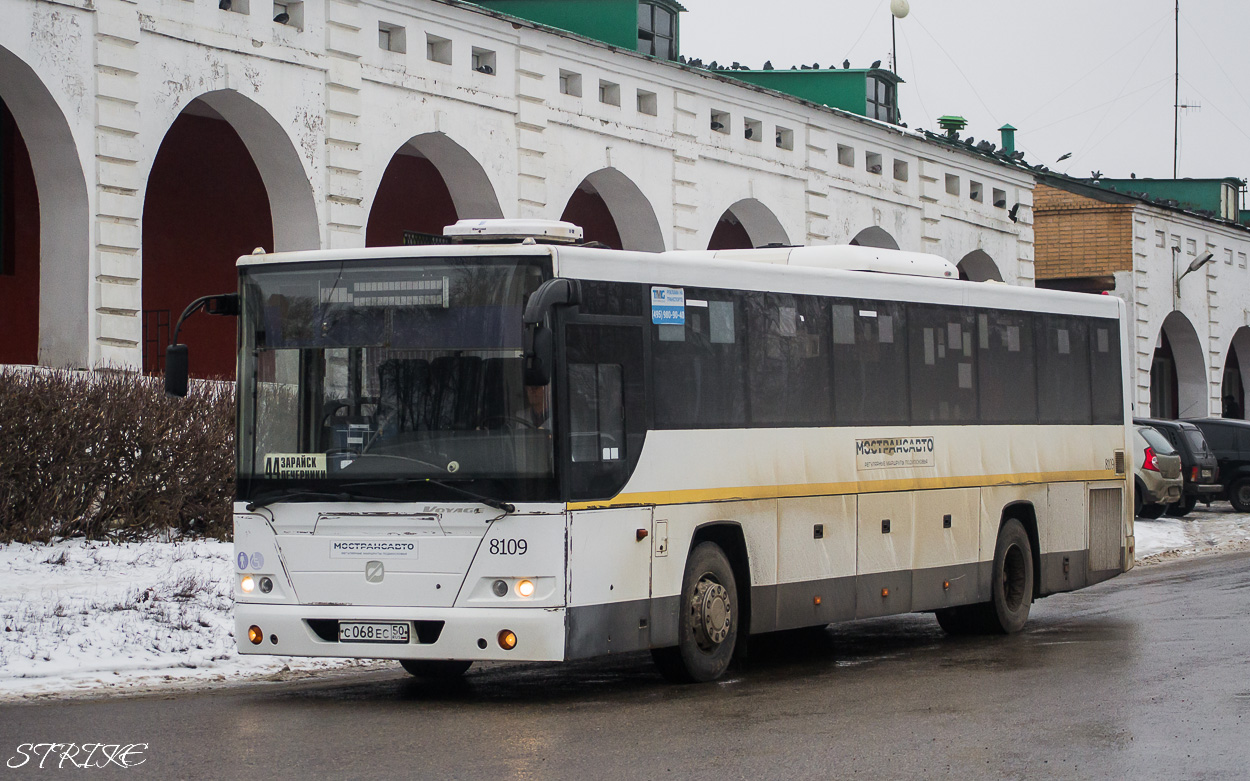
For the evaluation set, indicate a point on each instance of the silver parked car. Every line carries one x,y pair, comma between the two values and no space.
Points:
1157,467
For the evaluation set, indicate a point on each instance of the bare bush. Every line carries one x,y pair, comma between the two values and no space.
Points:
107,455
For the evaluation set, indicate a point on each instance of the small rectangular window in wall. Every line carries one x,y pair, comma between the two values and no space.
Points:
236,6
900,170
846,156
570,83
976,191
753,129
647,103
392,38
484,61
952,184
1161,239
289,13
1228,257
437,49
1241,259
872,162
785,138
720,121
1191,247
1000,198
609,93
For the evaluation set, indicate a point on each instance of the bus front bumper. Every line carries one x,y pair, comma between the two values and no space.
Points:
434,633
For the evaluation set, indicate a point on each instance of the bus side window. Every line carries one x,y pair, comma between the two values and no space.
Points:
1107,378
1007,367
1063,371
869,363
596,412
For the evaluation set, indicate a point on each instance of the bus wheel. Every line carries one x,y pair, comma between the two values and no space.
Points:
435,669
1012,582
708,624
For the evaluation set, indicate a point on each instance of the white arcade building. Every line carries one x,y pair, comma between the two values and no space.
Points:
144,145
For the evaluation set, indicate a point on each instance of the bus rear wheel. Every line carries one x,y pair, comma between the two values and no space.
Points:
435,669
1011,590
708,624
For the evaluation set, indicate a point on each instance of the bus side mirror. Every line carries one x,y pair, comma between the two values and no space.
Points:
540,352
540,356
176,362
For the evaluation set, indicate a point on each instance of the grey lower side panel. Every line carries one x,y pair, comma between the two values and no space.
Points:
597,630
1065,571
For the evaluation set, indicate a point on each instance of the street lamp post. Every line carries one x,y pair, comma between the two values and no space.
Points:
1197,263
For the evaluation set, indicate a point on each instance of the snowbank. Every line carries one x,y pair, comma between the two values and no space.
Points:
1219,529
87,616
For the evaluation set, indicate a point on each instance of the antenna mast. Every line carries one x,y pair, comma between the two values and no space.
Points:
1176,104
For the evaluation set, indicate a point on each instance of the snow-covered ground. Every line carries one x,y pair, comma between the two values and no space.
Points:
88,617
93,618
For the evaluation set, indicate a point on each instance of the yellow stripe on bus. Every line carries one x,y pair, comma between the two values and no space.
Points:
750,493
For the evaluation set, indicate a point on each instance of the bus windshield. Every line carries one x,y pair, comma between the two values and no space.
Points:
402,373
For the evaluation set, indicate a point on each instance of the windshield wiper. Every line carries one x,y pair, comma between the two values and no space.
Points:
506,507
264,500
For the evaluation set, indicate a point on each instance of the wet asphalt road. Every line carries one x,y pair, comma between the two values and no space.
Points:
1146,676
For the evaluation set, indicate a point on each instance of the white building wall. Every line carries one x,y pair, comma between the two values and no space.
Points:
322,109
1215,302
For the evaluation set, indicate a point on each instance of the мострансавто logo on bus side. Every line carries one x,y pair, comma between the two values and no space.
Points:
894,453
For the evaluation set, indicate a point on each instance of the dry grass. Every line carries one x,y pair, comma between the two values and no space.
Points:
106,455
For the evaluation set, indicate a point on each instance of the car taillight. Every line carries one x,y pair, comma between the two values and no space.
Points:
1193,474
1150,460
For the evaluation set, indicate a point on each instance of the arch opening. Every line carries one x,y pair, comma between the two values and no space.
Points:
874,237
1236,376
45,279
747,224
612,210
1178,385
978,266
429,183
225,180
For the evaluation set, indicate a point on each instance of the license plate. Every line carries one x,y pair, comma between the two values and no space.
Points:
1206,473
372,632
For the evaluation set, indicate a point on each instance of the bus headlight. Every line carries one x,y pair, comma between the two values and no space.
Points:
525,588
247,584
266,585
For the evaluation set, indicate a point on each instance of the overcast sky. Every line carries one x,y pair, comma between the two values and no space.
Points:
1089,77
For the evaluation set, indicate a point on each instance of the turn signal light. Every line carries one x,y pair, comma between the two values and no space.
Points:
525,588
255,635
507,639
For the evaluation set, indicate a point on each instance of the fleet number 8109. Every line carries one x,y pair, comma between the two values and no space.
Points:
508,547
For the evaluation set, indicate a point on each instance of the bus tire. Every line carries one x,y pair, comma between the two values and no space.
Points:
708,624
435,669
1011,585
1239,495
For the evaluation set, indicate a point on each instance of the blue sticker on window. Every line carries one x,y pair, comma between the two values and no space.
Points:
258,560
668,306
242,560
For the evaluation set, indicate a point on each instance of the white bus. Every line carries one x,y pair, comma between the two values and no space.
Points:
510,450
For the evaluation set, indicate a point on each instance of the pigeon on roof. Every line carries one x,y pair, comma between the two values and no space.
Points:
768,65
876,63
846,64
